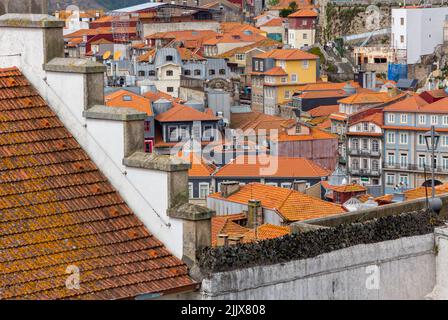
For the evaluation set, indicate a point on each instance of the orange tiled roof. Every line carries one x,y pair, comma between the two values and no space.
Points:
349,188
199,167
154,96
234,37
267,42
243,166
283,4
303,13
145,57
265,232
276,71
315,134
290,204
287,54
126,99
232,27
325,125
324,111
227,225
369,97
184,113
376,118
186,54
323,94
184,35
416,193
275,22
57,209
417,104
256,121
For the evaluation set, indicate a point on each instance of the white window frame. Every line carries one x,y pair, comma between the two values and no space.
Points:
434,119
286,185
204,184
445,120
421,118
401,140
390,179
403,118
391,118
191,190
305,64
293,77
391,137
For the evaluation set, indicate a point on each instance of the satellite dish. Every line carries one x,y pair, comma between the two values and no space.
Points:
106,55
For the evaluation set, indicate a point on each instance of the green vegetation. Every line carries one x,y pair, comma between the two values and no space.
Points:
316,51
273,2
287,11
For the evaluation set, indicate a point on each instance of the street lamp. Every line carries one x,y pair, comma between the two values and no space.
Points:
432,141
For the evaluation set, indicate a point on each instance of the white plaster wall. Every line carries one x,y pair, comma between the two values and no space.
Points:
397,29
151,28
406,271
143,190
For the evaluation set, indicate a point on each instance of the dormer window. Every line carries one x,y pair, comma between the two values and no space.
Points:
169,58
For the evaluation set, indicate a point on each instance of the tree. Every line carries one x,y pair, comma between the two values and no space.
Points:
273,2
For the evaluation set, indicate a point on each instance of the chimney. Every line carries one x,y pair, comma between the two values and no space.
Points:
254,214
229,187
223,240
235,240
24,6
299,186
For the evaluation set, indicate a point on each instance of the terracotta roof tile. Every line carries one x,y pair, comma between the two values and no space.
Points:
244,166
275,22
368,97
127,99
324,110
287,54
57,209
265,232
349,188
290,204
184,113
304,13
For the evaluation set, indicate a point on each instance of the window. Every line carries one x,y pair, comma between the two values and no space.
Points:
445,120
421,119
240,56
147,126
184,132
365,126
141,73
403,160
421,161
169,89
365,163
421,139
305,64
355,164
190,190
391,158
433,119
208,132
403,138
287,94
261,66
402,39
391,137
169,73
355,144
305,36
169,58
204,190
375,165
151,73
282,64
445,163
286,185
375,146
284,80
197,72
211,72
390,117
293,78
365,144
187,72
148,146
274,184
257,65
404,179
173,133
404,118
402,21
222,71
390,179
444,141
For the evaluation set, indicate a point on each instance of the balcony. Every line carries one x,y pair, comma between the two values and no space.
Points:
365,172
364,152
414,167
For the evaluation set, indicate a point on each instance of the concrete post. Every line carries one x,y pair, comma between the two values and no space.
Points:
440,291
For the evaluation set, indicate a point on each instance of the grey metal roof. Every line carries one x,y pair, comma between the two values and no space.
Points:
140,7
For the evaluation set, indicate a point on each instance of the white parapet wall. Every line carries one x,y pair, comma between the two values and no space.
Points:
398,269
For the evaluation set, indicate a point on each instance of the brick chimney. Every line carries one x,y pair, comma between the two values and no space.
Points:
223,240
299,186
254,214
229,187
